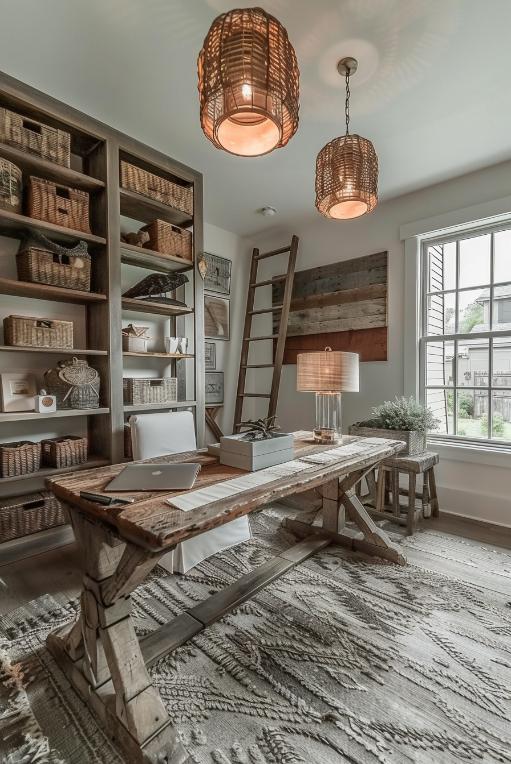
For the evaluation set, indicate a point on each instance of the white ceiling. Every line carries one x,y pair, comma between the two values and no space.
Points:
432,91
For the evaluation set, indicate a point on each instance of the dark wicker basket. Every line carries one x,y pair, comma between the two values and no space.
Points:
35,138
74,383
165,191
64,452
20,458
169,239
22,515
61,205
27,331
152,390
11,186
41,266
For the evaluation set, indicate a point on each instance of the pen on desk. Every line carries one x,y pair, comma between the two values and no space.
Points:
107,501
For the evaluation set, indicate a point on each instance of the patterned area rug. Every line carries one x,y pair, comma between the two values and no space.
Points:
345,659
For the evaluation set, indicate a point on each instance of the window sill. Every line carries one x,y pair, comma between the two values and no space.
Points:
471,453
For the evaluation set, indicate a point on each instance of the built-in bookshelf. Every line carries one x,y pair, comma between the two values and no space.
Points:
96,153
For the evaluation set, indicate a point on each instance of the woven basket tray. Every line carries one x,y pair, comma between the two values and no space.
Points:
64,452
20,458
140,391
165,191
61,205
169,239
22,515
35,137
11,185
27,331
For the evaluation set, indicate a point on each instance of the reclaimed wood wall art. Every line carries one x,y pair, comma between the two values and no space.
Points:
343,305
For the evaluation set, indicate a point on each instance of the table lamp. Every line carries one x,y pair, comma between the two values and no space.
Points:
328,373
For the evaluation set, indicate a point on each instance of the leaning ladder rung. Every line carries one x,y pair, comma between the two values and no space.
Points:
274,309
268,337
274,253
257,365
254,395
269,281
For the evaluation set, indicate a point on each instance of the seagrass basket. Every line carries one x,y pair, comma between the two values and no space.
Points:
74,383
61,205
35,138
11,184
22,515
153,390
19,458
65,451
27,331
42,261
169,239
165,191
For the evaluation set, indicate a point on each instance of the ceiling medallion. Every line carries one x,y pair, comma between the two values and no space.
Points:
347,167
248,83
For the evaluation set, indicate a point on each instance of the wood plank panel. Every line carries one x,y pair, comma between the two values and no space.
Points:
371,344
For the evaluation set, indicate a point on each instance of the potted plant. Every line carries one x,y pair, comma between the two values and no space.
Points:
262,445
401,419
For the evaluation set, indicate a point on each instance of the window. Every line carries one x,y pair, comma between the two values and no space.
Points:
465,342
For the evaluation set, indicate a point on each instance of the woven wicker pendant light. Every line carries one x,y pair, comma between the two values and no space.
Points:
347,168
248,83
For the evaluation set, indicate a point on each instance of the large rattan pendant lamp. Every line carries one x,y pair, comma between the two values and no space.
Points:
347,168
248,83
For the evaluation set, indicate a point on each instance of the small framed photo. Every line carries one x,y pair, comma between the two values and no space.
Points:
18,390
214,388
210,356
218,274
216,318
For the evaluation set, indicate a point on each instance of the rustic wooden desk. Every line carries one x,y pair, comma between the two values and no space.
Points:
100,652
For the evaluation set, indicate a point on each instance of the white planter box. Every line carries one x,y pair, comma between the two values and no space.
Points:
255,455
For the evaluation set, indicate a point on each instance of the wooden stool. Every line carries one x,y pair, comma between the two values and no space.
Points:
388,490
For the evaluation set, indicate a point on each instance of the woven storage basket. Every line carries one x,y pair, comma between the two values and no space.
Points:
11,185
415,441
26,331
140,391
169,239
35,137
64,452
20,458
22,515
165,191
61,205
74,383
69,269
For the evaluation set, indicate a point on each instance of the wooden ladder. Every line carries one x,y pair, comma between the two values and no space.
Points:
283,309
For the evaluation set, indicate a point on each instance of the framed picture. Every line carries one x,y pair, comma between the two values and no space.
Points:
216,318
210,356
214,387
218,274
18,389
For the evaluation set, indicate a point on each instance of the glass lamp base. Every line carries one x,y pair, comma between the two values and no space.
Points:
328,418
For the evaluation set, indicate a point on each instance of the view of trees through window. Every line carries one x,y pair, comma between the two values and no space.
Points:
466,335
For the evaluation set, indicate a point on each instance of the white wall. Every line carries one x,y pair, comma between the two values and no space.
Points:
476,491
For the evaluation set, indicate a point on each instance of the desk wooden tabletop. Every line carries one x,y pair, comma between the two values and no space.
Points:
152,523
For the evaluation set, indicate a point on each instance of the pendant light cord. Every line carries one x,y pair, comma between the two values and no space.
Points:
347,103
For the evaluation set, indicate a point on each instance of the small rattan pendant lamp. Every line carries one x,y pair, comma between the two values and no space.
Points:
347,168
248,83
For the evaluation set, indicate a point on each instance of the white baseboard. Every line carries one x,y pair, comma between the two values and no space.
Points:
471,505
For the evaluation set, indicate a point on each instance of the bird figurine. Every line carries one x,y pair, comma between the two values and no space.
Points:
157,285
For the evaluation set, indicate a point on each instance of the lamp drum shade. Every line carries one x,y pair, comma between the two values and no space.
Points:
347,178
327,371
248,83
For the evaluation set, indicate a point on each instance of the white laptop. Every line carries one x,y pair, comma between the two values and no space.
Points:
155,477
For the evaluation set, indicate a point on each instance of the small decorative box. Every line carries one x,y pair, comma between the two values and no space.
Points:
134,339
255,455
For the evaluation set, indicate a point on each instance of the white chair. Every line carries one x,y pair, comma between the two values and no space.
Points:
154,435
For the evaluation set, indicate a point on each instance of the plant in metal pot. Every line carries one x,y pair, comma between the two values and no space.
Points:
403,416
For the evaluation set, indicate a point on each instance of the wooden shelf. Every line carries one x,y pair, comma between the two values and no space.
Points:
46,292
146,210
28,416
56,351
91,463
159,406
155,261
156,308
11,224
151,354
34,165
